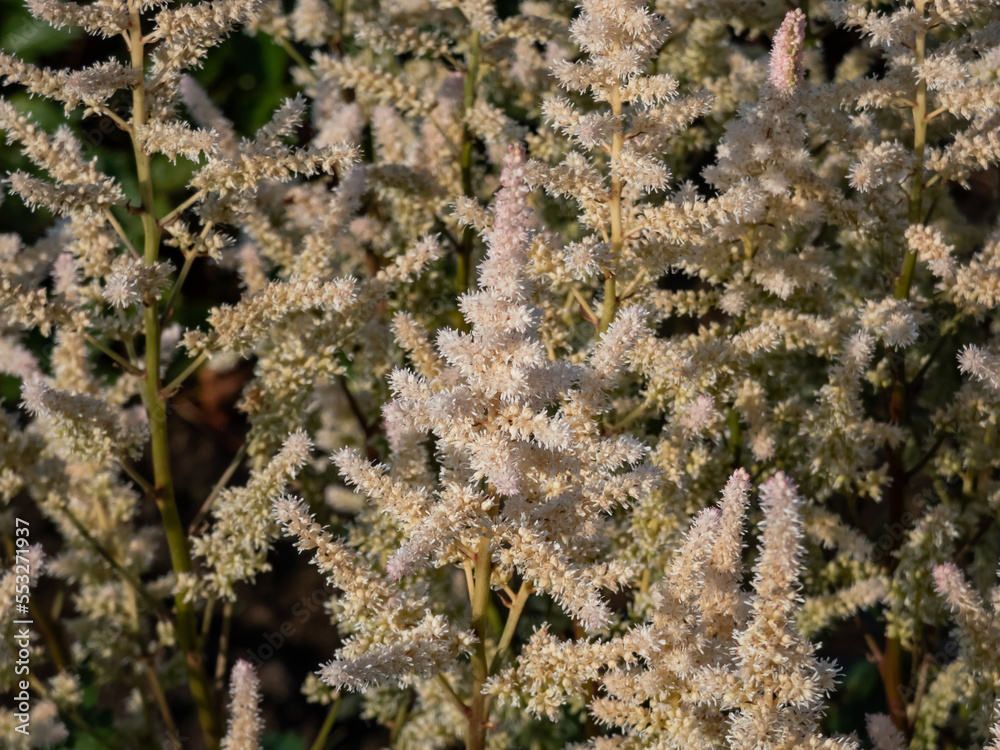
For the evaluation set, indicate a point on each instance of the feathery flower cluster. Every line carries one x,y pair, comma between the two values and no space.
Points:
244,709
538,279
707,647
235,547
491,409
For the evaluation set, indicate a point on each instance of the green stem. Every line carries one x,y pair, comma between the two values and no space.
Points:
185,624
128,338
402,716
510,627
129,577
296,57
516,608
206,620
923,460
223,653
217,488
176,383
120,232
181,208
124,363
478,713
452,695
632,416
324,731
735,437
340,9
161,697
140,480
54,641
610,303
905,279
463,261
890,666
615,204
168,306
584,306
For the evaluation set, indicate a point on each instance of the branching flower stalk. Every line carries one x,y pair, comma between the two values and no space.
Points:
470,84
610,307
156,403
916,202
890,659
478,714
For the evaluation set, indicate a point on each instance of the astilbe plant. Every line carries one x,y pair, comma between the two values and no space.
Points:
540,280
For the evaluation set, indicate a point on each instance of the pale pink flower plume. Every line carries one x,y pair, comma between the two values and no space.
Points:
785,69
